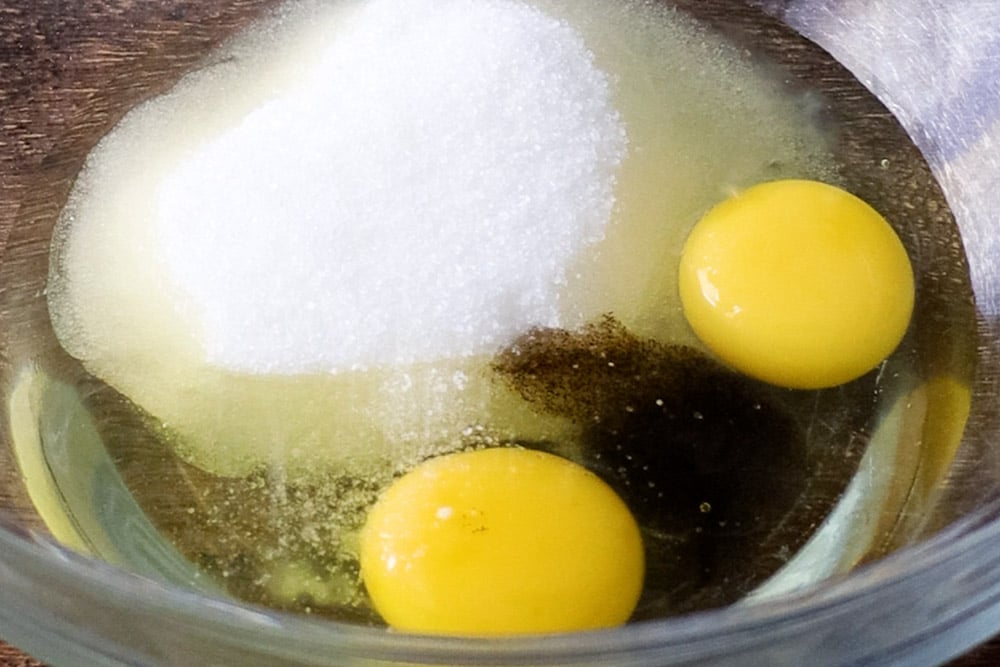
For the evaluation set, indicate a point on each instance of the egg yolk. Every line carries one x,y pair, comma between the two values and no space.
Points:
501,541
797,283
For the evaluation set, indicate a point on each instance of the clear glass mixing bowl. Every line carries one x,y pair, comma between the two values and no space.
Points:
929,590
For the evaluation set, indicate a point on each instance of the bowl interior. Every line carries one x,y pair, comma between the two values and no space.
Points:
884,480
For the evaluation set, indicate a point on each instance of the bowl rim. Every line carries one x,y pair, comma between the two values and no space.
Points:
715,632
46,566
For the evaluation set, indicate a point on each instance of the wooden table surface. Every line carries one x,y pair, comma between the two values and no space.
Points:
11,657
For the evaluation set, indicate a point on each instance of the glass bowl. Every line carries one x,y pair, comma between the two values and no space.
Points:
924,587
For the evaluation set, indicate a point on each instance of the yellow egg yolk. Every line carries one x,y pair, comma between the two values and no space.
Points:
501,541
797,283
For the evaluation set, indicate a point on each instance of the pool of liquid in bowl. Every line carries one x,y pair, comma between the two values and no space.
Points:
742,489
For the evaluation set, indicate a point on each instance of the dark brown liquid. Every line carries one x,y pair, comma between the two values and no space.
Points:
713,464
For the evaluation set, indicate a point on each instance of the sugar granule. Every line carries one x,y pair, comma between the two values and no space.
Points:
417,195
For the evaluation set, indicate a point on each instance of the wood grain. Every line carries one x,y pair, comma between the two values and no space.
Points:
11,657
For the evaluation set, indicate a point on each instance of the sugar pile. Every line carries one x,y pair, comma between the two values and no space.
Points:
417,195
304,255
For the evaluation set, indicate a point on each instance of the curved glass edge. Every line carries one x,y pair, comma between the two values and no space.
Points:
936,66
921,605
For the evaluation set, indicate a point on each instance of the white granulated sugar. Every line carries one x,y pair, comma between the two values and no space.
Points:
418,195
